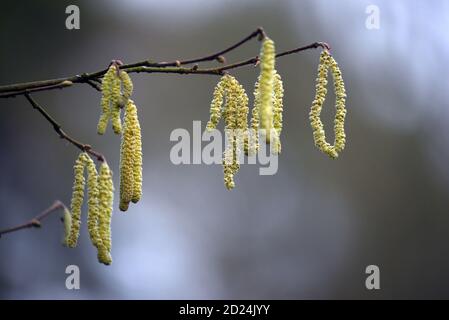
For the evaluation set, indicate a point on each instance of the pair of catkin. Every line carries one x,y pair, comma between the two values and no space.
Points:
100,192
130,158
230,102
319,136
116,89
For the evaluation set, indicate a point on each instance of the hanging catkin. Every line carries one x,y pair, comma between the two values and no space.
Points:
67,220
265,91
126,162
137,159
130,158
100,197
328,62
106,97
216,104
93,214
278,106
116,88
105,204
116,100
77,199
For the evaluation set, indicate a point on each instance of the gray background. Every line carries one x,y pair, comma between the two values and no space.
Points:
307,232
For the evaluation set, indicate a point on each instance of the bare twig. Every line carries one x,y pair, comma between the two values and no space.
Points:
149,66
36,221
57,127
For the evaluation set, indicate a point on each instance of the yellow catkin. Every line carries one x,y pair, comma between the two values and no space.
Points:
105,204
253,137
93,215
216,104
230,166
127,159
137,154
116,100
278,106
77,199
235,115
127,87
326,62
340,106
67,220
265,92
106,95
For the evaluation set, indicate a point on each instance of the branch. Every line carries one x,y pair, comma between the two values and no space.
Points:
220,71
149,66
36,221
57,127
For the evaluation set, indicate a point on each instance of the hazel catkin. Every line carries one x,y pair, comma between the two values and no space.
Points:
126,163
92,203
265,92
137,160
328,62
278,106
116,106
116,88
106,94
105,204
77,199
130,158
127,87
67,220
216,104
235,114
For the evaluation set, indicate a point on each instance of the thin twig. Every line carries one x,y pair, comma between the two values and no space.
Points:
153,67
57,127
36,221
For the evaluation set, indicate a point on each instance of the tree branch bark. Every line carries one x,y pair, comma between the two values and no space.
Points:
36,221
149,66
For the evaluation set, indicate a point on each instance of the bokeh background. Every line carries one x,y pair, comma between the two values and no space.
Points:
307,232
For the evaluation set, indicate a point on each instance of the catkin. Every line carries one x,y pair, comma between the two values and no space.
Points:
265,92
106,94
127,87
252,144
137,159
127,159
235,114
93,214
328,62
100,191
105,203
67,220
77,199
116,88
116,100
278,106
216,104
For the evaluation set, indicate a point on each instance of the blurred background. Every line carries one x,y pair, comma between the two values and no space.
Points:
307,232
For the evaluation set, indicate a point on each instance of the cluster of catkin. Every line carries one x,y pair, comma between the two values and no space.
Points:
230,101
328,62
100,191
117,89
